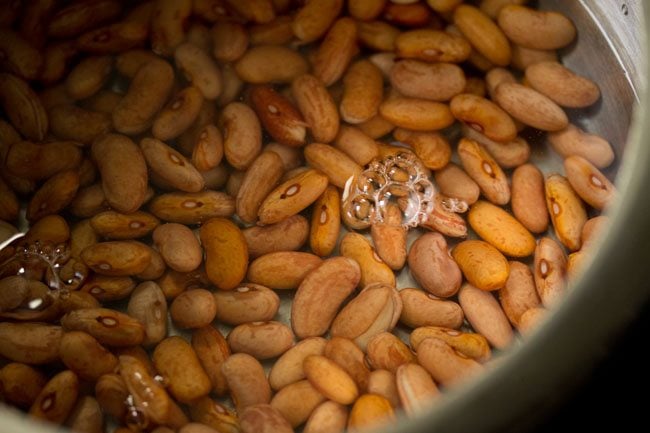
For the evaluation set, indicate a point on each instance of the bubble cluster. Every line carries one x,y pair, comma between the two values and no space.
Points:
400,180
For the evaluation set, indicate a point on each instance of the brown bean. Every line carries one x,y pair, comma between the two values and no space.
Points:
260,179
483,34
263,418
88,76
486,316
444,364
226,253
550,271
297,401
270,63
589,182
242,134
519,293
117,258
289,366
484,170
178,246
30,343
70,122
567,211
175,359
362,92
212,350
246,380
279,116
317,107
192,208
543,30
193,309
528,200
289,234
21,384
454,182
57,398
85,356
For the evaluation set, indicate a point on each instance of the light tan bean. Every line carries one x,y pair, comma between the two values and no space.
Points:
282,269
589,182
454,182
327,417
147,304
292,196
262,340
317,107
242,134
523,57
486,316
117,258
508,155
416,114
247,303
54,195
321,294
519,293
356,144
484,170
550,269
178,246
542,30
485,116
562,85
289,234
386,351
193,309
259,180
297,401
214,414
431,147
70,122
531,320
574,141
289,366
263,418
483,34
336,51
432,46
192,208
212,350
109,327
528,200
444,364
530,107
375,310
422,309
246,380
373,270
390,238
416,389
147,94
382,383
363,90
178,115
471,345
325,222
432,267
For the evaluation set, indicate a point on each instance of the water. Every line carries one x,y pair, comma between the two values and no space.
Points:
399,180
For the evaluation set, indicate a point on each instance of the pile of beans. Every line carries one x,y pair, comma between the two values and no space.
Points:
182,166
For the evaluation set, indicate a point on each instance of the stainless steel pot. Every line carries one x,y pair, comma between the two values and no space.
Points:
520,389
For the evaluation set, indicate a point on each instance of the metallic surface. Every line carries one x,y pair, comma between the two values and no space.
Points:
530,379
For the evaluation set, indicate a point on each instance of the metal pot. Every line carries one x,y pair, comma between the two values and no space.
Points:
519,389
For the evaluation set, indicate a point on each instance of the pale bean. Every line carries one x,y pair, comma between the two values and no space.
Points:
147,304
508,155
387,352
528,200
550,269
422,309
327,417
193,309
486,316
382,383
262,340
589,182
454,182
415,387
297,401
519,293
530,107
562,85
177,361
574,141
444,364
289,366
246,380
542,30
